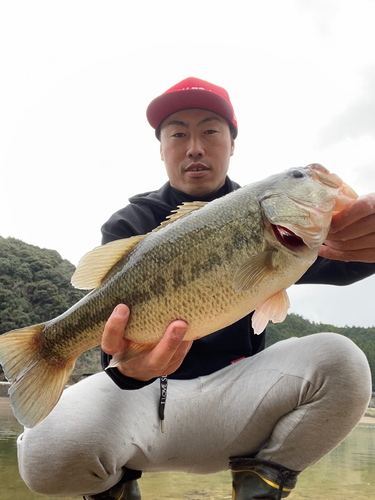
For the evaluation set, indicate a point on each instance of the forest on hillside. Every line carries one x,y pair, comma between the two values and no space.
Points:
35,287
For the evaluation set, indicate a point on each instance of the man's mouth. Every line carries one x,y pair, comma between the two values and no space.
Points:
196,167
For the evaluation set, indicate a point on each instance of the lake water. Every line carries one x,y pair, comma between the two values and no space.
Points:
348,472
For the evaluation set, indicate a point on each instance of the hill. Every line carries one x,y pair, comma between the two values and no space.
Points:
296,326
35,287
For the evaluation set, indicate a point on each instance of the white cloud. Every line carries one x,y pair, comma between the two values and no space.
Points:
357,119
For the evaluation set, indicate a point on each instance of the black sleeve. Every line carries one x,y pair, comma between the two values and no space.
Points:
123,382
122,224
130,221
335,272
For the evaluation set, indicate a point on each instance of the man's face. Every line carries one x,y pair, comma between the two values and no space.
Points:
196,146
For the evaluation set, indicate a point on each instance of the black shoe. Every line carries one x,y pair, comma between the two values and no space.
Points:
126,489
260,479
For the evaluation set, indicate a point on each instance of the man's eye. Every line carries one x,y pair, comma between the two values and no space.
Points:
210,131
178,134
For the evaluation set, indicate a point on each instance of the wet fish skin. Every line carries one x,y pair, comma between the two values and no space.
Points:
210,267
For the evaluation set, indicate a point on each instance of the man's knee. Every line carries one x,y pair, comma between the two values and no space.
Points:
340,364
52,466
35,469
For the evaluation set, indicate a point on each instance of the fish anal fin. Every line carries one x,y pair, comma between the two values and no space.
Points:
274,309
182,210
253,271
133,350
36,385
95,265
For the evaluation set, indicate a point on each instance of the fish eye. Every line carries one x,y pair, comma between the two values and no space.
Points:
297,174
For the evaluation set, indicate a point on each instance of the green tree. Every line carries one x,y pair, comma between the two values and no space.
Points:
35,287
296,326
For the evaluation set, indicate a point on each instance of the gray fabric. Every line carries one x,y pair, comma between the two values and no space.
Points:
294,401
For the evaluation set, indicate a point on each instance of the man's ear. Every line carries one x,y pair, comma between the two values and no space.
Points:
161,153
232,148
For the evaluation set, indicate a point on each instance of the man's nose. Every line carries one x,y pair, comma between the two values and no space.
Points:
195,148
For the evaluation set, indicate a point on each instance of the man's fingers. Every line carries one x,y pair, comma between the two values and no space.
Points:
365,255
168,346
360,209
366,242
363,227
113,336
164,359
352,234
179,356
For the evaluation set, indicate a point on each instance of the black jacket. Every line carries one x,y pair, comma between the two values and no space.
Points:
145,212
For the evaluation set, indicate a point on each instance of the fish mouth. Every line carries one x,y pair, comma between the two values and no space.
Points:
287,238
345,195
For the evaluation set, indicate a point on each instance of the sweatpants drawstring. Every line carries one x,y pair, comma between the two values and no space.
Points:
163,398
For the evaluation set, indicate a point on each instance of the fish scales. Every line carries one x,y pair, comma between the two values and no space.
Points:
188,267
183,264
210,265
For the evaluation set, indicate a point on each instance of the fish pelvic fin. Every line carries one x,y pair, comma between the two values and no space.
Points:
133,350
253,271
273,309
36,385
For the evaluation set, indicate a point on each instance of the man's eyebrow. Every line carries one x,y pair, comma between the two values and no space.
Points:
186,125
178,122
208,119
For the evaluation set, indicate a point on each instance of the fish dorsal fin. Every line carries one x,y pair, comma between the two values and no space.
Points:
253,271
273,309
186,208
95,265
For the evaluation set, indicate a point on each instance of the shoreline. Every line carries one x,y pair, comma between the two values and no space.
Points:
4,403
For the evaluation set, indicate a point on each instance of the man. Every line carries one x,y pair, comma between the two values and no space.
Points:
265,413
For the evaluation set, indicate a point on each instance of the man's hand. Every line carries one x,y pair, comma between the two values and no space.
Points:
164,359
352,233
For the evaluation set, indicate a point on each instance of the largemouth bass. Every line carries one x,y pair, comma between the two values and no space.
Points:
210,264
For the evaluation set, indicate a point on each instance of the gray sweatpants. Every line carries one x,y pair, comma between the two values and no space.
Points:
294,402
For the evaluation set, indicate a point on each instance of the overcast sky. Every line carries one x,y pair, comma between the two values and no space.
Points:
77,76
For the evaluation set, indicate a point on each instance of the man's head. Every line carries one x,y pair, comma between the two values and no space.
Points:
196,126
192,93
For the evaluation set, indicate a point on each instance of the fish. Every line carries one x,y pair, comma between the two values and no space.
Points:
209,264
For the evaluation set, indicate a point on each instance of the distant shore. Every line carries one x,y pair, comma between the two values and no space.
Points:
367,420
4,403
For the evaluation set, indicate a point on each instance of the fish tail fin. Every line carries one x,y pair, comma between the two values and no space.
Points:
36,385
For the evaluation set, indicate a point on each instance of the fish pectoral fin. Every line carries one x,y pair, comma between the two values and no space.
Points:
273,309
95,265
36,385
182,210
253,271
133,350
